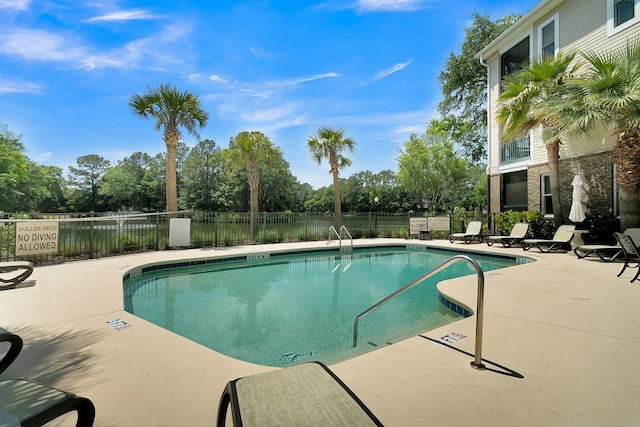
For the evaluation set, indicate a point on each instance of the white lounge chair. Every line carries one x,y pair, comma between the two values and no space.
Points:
17,271
518,233
473,232
560,240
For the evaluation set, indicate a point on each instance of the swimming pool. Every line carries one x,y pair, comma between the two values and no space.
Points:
287,307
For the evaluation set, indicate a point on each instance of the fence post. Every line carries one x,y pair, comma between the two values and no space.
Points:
215,229
91,213
157,231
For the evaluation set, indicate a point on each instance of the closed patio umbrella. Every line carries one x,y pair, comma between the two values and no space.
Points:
576,214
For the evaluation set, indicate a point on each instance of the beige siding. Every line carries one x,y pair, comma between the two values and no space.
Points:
582,26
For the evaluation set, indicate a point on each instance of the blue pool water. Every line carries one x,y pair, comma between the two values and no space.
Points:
278,310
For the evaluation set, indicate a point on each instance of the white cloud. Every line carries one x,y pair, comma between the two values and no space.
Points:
9,86
40,45
123,15
385,73
15,4
388,5
299,80
217,79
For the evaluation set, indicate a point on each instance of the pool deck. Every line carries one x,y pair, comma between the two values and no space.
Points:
569,326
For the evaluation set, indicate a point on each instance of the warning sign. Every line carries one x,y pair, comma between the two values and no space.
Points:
36,237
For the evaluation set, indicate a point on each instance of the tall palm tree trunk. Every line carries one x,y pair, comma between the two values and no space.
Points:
627,154
337,206
553,150
254,182
171,138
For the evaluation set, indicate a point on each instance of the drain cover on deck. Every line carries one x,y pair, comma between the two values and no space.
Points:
118,324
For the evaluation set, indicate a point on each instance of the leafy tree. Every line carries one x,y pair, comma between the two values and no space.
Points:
328,144
53,184
153,185
429,168
171,109
278,187
608,93
14,170
464,86
250,149
521,109
205,184
320,200
85,179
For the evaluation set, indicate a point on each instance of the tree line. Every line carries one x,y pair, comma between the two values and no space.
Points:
211,178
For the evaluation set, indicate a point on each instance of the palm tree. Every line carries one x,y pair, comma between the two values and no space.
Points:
171,109
608,93
521,109
249,149
328,143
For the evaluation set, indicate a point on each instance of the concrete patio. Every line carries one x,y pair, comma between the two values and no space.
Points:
570,327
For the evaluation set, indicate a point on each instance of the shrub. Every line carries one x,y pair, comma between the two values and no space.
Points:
538,225
601,228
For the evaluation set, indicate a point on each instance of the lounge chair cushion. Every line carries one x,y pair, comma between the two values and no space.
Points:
32,403
560,240
472,232
302,395
518,233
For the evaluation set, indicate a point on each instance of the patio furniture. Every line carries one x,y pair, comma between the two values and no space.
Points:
606,253
472,232
631,254
25,402
302,395
23,270
560,240
518,233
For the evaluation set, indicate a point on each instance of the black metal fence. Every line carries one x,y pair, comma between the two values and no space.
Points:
91,235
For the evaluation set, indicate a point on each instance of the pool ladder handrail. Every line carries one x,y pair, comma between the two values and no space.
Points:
339,235
477,363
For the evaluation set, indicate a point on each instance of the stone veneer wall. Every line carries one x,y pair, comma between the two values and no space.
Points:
494,191
596,172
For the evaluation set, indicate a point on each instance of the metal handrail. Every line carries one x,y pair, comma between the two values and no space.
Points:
477,363
348,234
332,228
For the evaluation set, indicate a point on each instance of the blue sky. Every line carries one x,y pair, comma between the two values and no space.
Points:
281,67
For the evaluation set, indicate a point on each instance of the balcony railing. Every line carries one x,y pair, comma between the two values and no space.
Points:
514,150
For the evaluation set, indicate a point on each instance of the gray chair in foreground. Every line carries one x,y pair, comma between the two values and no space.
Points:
299,396
560,240
631,254
518,233
25,402
15,272
472,232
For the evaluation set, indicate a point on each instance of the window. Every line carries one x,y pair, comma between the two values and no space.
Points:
622,11
514,191
548,37
622,14
546,201
512,60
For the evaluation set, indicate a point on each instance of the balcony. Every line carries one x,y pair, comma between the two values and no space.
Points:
515,150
